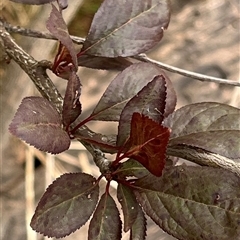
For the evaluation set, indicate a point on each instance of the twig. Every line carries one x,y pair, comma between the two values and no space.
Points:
140,57
37,72
37,34
197,76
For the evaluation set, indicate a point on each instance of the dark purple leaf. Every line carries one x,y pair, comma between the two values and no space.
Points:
149,101
66,205
33,2
38,123
200,117
126,85
213,127
106,143
129,205
104,63
105,223
131,168
171,99
193,202
223,142
136,27
71,106
139,227
57,26
147,143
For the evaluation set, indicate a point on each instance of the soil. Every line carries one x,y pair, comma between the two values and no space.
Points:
203,36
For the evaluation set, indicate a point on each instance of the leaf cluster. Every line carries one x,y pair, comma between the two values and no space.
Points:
201,202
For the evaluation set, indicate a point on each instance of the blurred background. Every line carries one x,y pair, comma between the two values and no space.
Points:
203,36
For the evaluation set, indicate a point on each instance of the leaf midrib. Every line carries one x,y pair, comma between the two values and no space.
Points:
119,28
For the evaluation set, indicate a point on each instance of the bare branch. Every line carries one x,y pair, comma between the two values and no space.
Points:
197,76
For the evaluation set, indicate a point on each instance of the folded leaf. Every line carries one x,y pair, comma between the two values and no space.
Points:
139,227
105,223
126,85
57,26
129,205
72,107
150,101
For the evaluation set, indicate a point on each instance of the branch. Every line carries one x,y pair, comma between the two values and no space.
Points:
204,158
37,34
140,57
197,76
37,72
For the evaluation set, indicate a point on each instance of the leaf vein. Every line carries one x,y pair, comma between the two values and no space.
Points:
117,29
